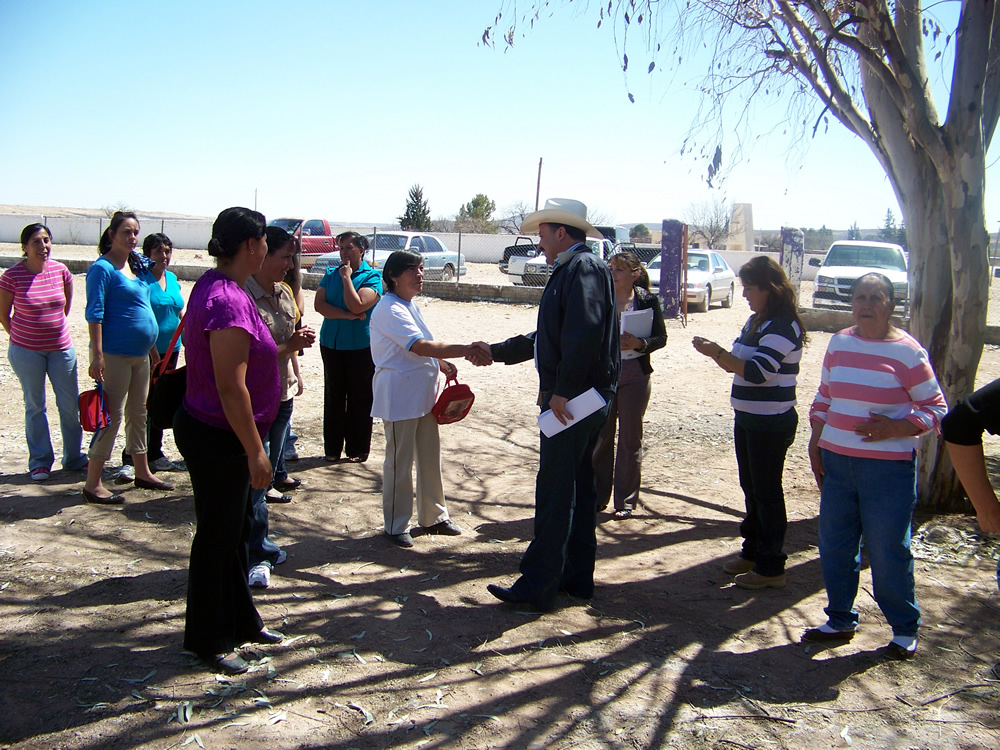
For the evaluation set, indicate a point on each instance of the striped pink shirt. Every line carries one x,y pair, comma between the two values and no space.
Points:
892,377
38,321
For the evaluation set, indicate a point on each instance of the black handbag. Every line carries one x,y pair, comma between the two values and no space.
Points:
166,387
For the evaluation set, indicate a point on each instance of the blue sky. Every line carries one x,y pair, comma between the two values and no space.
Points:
335,108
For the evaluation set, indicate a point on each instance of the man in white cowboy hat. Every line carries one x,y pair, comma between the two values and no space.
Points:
575,348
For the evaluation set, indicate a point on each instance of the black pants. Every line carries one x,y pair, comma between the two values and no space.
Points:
760,457
154,436
347,401
220,609
562,555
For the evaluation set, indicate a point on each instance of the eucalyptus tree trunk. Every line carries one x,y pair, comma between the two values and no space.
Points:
937,171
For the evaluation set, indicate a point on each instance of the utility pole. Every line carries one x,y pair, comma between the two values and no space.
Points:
255,199
538,187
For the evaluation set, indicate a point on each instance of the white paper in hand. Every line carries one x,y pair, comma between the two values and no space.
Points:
580,407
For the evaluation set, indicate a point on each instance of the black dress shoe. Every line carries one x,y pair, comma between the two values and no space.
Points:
231,663
504,594
280,499
113,499
266,635
287,485
508,596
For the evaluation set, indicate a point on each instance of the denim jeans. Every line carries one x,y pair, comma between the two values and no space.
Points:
262,548
876,498
31,367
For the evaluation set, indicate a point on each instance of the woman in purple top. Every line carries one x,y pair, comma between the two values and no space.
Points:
233,392
35,296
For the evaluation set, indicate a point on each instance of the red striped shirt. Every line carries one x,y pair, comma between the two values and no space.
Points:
38,321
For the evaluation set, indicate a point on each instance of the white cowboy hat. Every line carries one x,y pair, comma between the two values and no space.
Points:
560,211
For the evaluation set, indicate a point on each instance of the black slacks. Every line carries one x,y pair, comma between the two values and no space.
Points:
563,553
347,401
220,609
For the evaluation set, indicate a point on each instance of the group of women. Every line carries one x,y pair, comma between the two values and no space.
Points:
877,394
132,310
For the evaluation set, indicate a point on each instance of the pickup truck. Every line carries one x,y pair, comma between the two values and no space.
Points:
847,261
532,270
314,236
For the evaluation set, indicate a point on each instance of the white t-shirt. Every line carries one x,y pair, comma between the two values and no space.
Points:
405,384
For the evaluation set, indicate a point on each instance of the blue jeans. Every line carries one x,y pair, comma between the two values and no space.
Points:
31,367
262,548
876,498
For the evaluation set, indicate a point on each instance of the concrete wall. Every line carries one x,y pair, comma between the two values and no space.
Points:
184,233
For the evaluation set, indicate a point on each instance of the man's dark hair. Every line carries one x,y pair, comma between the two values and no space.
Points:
575,234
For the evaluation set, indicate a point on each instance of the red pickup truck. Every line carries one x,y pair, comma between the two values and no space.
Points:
314,236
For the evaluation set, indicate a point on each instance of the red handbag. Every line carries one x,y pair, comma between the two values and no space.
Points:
94,414
454,402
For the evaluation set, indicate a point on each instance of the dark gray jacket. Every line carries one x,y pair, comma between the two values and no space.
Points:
577,336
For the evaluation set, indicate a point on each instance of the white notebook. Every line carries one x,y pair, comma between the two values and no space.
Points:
640,324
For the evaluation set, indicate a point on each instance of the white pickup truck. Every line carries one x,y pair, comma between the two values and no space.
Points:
847,261
532,270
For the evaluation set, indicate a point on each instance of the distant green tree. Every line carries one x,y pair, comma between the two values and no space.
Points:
901,234
477,216
854,232
417,217
640,233
817,239
888,231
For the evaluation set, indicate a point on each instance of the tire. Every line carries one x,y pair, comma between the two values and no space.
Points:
703,307
728,301
448,273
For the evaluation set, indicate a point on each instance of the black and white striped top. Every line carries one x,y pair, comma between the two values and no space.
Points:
772,355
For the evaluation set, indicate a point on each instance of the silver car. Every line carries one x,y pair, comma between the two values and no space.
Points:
709,279
440,263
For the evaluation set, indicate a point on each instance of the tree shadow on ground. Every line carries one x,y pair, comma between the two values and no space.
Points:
413,637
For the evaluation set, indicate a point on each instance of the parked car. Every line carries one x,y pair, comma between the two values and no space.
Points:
314,235
709,279
440,263
847,261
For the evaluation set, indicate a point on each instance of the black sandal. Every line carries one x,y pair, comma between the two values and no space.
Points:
621,515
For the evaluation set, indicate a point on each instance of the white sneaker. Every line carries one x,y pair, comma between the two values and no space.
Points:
260,576
163,464
282,556
125,475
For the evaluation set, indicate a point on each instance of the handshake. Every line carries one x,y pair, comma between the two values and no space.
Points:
478,353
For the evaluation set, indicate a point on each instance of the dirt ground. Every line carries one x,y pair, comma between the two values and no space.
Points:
405,648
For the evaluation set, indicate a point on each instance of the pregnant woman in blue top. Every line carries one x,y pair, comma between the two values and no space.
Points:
123,334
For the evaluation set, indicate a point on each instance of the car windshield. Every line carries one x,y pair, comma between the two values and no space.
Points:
289,225
697,262
654,263
865,256
390,242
